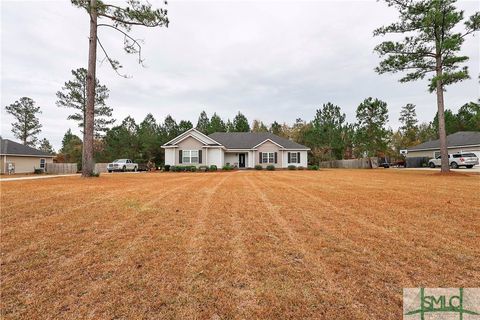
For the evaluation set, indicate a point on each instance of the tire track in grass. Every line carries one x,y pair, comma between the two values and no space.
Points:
313,272
192,273
365,199
62,266
394,274
50,220
140,251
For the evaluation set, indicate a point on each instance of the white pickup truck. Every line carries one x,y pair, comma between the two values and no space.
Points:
122,165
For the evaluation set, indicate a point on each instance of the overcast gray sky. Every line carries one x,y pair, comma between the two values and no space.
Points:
271,60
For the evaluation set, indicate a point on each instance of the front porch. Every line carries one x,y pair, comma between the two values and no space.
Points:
241,159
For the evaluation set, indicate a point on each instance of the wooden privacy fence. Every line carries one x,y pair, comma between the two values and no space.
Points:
60,168
350,164
101,167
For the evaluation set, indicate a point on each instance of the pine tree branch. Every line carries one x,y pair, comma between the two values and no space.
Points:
114,64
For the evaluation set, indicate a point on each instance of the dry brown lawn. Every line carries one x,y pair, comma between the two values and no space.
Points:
332,244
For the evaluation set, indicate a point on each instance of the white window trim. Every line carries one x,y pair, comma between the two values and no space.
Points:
266,156
189,157
44,163
291,157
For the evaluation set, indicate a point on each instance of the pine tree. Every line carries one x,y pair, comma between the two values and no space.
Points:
216,124
121,19
240,123
203,123
46,146
74,95
27,125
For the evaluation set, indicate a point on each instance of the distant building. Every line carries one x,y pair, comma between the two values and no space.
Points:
461,141
20,158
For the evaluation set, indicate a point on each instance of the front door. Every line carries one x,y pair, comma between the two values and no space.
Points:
241,160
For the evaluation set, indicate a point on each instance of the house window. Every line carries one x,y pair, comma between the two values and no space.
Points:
436,154
42,163
190,156
268,157
293,157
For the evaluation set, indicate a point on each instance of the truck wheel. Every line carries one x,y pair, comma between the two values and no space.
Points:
124,169
431,165
109,171
135,169
454,165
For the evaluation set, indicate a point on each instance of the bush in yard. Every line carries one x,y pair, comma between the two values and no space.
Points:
258,167
270,167
292,167
166,167
227,167
37,171
193,169
300,168
213,167
313,167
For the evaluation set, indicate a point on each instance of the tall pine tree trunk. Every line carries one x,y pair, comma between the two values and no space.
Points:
87,161
441,120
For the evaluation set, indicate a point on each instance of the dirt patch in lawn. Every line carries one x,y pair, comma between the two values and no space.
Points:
332,244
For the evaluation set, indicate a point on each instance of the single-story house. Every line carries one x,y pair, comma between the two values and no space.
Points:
19,158
461,141
239,149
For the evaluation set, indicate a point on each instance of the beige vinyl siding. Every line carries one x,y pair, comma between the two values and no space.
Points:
23,164
189,144
269,147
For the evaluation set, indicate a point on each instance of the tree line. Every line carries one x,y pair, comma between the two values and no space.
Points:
328,135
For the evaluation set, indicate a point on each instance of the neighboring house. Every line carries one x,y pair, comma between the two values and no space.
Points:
461,141
21,158
239,149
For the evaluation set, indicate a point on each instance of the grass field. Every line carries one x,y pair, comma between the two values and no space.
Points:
332,244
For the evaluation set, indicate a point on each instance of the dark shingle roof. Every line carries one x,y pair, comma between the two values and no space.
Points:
10,147
461,138
248,140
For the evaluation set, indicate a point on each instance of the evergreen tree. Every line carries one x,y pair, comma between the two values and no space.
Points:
203,123
468,117
408,128
170,128
276,128
328,126
123,141
216,124
26,126
74,95
45,146
184,125
230,126
240,123
431,45
71,150
149,139
371,133
451,122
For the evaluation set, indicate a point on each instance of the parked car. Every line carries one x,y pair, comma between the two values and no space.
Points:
456,160
122,165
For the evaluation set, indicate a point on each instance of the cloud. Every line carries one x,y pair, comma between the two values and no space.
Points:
272,60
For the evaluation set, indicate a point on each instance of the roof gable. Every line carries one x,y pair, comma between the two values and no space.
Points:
194,133
458,139
9,147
